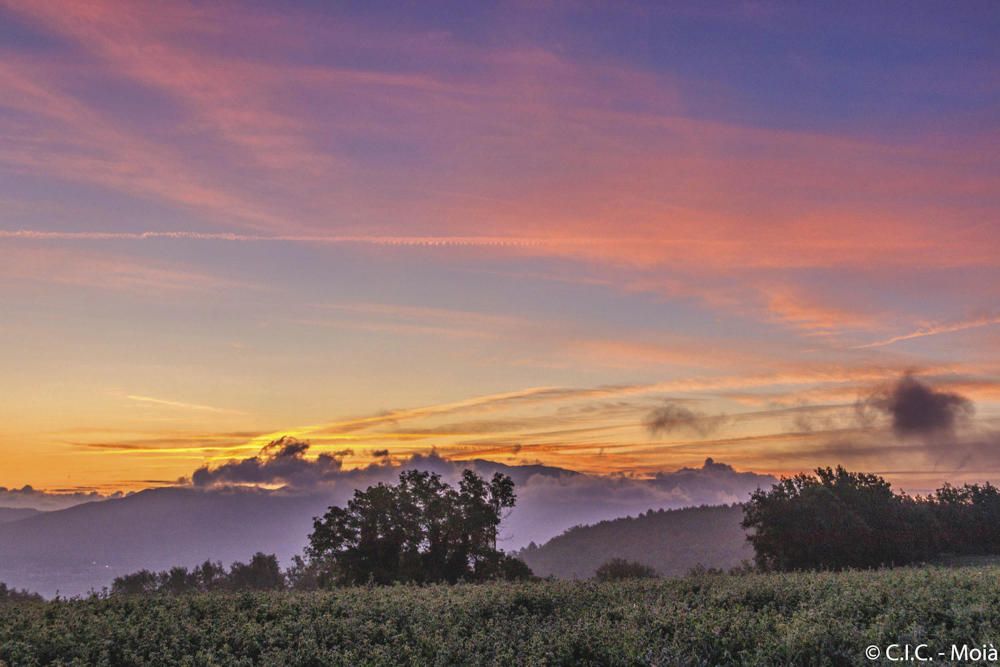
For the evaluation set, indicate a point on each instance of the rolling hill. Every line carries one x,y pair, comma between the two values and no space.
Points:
84,547
670,541
8,514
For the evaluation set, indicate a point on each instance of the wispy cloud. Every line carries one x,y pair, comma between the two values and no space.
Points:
182,405
796,307
388,240
937,330
108,271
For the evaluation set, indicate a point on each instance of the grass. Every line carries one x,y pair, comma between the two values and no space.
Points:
755,619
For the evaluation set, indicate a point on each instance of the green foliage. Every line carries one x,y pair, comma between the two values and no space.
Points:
618,569
262,573
810,618
420,530
15,595
837,519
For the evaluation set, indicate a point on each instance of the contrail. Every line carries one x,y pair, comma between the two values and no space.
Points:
181,404
935,330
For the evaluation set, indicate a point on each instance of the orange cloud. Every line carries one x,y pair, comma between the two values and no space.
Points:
791,305
647,187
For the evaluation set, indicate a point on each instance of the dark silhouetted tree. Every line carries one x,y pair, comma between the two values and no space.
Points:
836,519
211,576
177,581
262,573
419,530
142,582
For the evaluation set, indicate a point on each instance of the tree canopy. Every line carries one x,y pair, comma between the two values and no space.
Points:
420,530
262,573
835,519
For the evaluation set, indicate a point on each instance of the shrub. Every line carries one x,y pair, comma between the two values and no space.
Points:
617,569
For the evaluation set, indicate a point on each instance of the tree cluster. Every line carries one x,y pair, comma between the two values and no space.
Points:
835,519
262,573
420,530
8,594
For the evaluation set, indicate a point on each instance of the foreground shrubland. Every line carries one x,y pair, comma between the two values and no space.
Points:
807,618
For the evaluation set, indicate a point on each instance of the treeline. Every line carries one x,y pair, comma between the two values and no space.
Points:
8,594
420,530
262,573
835,519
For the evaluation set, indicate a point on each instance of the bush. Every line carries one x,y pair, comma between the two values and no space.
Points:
617,569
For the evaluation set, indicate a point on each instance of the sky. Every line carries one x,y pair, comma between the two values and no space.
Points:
615,238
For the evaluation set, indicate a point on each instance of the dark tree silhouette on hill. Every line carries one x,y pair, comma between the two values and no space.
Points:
836,519
419,530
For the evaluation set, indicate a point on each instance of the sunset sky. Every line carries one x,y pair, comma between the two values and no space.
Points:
518,232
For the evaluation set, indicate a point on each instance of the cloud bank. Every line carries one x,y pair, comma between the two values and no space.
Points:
550,499
28,497
281,463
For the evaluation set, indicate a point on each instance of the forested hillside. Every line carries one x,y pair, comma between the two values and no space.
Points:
670,541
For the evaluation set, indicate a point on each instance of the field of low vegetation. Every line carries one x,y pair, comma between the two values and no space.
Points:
708,619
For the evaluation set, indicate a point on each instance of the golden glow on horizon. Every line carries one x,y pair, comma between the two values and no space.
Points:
224,225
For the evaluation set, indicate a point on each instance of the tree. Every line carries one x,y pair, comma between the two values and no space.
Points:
302,575
15,595
211,576
968,517
419,530
262,573
618,569
177,581
836,519
143,582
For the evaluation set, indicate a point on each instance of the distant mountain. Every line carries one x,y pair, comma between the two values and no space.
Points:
670,541
86,546
8,514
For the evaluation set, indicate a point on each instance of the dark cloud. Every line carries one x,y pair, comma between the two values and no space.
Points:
916,409
282,462
915,425
671,417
